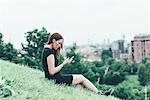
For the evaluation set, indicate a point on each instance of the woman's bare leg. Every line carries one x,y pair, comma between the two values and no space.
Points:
80,79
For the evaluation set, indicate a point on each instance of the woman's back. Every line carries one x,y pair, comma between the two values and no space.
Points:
45,53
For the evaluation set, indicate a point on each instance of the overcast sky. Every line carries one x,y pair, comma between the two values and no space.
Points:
77,20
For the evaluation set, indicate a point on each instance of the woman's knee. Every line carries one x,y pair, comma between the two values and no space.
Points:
79,78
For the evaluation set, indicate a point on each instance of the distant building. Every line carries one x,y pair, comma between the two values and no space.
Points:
121,45
89,52
126,56
117,48
140,47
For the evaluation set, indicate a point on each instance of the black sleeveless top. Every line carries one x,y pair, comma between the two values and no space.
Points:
45,53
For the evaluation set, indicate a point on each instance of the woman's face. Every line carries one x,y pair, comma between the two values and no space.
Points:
57,44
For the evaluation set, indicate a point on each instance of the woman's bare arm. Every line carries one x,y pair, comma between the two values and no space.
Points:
51,65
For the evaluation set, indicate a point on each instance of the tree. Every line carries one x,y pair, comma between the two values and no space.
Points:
79,66
132,68
114,73
1,45
76,66
98,63
90,71
127,92
9,52
114,77
33,49
106,54
144,75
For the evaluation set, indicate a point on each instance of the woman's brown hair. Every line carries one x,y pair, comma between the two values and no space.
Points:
55,36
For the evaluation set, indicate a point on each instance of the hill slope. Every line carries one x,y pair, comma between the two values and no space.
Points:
32,85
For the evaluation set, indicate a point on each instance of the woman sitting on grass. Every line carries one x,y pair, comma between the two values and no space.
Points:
52,68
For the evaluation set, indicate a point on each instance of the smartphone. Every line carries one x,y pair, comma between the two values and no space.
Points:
71,58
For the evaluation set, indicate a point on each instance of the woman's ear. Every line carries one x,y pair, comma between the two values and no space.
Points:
53,40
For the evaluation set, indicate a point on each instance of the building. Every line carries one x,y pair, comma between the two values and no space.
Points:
140,48
89,53
126,56
117,48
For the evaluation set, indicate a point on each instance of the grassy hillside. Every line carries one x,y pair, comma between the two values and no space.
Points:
32,85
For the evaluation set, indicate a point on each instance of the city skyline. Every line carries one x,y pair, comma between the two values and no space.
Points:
78,21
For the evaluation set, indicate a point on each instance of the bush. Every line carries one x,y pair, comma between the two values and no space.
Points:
113,78
144,73
128,93
6,88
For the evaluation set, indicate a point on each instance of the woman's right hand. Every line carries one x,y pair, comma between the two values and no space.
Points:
67,61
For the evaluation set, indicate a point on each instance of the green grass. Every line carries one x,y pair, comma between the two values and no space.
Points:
32,85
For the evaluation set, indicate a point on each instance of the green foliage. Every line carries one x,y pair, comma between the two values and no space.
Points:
33,49
88,69
144,73
91,71
1,38
114,77
131,68
98,63
75,67
6,88
104,87
1,45
129,89
73,52
92,76
101,71
145,60
106,54
61,59
116,73
127,93
110,61
118,66
9,52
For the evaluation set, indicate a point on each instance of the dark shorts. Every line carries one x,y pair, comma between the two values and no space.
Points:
63,78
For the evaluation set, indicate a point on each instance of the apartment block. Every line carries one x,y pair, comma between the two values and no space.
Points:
140,48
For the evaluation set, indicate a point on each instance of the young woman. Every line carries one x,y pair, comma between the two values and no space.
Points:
52,68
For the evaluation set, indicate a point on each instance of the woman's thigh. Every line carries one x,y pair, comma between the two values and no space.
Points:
77,79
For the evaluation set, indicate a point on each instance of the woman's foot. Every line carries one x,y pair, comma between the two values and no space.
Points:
107,92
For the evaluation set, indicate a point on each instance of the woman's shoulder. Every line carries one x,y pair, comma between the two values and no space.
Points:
48,50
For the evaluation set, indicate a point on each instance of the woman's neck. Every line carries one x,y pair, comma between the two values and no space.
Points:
48,46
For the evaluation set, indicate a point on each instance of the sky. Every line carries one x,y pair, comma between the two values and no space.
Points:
80,21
